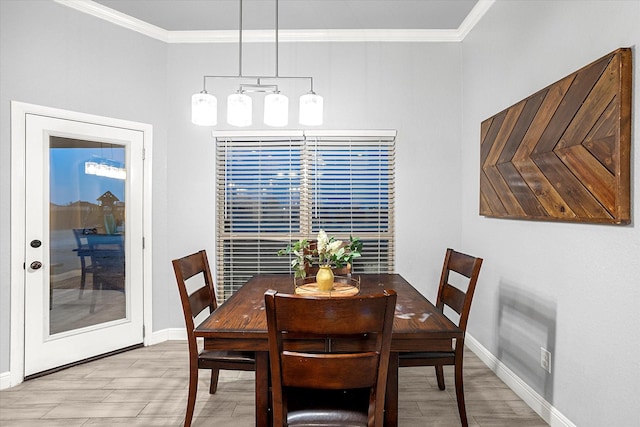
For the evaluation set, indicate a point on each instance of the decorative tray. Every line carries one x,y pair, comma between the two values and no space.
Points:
343,286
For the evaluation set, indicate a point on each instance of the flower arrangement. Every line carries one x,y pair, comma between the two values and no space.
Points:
330,252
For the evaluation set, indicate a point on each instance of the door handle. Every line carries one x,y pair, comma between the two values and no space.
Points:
35,265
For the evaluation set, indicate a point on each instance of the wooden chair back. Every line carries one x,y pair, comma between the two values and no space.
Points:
366,322
312,270
452,296
198,300
457,294
194,302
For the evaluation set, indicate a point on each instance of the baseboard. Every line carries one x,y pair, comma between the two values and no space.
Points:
5,380
170,334
547,412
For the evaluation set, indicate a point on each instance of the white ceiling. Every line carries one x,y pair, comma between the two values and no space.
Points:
212,15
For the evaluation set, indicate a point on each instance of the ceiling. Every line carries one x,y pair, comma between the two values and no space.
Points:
213,15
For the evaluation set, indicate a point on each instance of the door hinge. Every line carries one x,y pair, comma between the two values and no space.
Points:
143,331
144,154
143,243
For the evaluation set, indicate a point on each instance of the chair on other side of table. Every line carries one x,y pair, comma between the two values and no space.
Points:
344,384
460,301
193,303
312,270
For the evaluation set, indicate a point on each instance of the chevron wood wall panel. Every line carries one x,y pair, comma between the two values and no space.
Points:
563,154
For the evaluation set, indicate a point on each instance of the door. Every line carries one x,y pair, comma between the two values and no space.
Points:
83,225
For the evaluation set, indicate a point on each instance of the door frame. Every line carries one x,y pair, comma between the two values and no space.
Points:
19,110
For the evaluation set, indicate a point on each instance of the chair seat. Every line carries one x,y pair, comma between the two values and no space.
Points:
218,357
427,359
330,408
427,355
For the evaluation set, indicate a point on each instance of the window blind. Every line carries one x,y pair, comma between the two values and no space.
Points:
272,189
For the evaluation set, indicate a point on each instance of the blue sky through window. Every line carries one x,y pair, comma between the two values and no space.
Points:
68,181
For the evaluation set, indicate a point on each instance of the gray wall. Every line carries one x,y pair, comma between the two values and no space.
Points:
573,288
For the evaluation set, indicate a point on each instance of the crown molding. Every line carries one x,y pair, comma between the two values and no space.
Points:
315,36
99,11
292,36
474,17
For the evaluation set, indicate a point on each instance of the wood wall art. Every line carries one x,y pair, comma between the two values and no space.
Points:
563,154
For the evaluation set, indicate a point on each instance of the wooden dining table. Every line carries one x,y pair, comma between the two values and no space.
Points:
240,324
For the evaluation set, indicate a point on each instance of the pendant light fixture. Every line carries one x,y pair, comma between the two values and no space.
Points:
204,106
311,108
239,108
204,109
276,110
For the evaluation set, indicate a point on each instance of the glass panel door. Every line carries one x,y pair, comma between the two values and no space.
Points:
87,233
83,233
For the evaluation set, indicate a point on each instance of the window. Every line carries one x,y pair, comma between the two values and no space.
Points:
274,188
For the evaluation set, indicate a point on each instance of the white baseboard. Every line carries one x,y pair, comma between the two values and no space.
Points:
5,380
543,408
166,335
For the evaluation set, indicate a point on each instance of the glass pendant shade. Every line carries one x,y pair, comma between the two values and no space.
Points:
204,109
311,109
239,108
276,110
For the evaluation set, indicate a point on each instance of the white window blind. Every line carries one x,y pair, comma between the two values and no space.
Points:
274,188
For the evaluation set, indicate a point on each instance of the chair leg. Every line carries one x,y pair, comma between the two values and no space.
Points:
213,386
460,389
83,276
191,399
440,376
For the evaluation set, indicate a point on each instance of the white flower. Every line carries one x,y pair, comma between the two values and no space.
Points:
323,241
334,247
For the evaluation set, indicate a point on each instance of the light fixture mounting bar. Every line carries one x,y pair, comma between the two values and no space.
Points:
257,78
247,87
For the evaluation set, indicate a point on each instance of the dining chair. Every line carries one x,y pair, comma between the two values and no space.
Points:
466,269
107,256
343,385
82,251
203,298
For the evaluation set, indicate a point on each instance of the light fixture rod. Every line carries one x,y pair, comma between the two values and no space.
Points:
240,42
277,57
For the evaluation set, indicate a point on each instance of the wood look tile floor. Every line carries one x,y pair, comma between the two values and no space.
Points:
148,387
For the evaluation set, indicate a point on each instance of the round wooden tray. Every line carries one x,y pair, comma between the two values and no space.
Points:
339,290
342,287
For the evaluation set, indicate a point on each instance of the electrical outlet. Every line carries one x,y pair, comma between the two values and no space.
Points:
545,359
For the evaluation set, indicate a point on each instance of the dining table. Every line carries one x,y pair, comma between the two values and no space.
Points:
240,324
